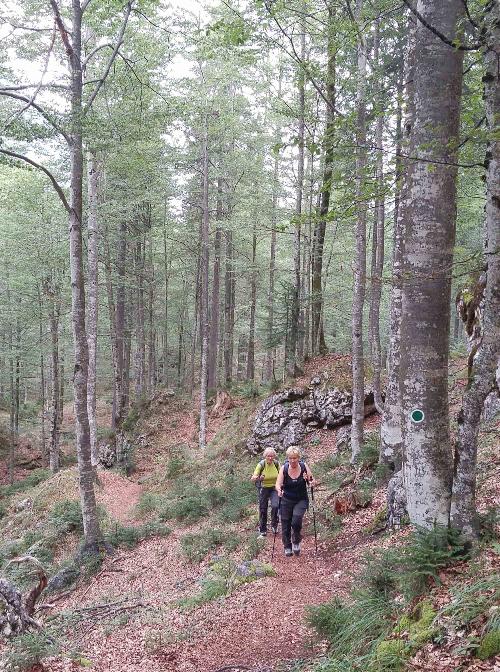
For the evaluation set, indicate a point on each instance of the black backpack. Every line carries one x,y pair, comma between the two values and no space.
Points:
303,469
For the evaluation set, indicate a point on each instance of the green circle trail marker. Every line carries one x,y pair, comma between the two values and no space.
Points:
417,415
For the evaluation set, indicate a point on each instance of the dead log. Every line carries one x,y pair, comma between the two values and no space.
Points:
17,616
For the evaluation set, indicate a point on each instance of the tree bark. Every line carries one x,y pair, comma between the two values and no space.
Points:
93,297
391,437
429,237
204,295
253,300
215,299
484,374
317,328
44,452
378,235
358,369
52,290
229,298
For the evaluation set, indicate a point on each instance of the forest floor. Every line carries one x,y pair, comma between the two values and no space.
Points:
141,600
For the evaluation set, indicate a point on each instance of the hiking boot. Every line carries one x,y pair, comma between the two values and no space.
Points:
288,552
296,549
274,530
262,535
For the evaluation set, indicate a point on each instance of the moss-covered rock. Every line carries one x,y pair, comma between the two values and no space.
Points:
420,627
490,645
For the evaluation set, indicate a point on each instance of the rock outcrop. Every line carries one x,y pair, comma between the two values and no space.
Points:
284,418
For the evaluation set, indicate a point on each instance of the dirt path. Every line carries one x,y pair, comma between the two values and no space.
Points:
119,495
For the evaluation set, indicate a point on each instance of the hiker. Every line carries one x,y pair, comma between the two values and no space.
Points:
265,475
292,488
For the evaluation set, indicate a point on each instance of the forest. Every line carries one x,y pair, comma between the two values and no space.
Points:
229,229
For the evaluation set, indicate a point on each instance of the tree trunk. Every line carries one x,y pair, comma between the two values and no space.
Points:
167,263
93,296
215,300
53,292
229,297
204,296
140,353
358,369
429,237
317,329
483,378
44,452
119,320
292,364
152,375
112,326
391,438
253,300
86,473
378,236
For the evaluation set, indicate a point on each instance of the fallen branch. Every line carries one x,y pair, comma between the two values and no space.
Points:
17,616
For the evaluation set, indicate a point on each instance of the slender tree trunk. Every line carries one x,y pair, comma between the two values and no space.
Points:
317,330
484,375
53,292
61,376
121,258
12,392
93,296
271,350
204,296
215,300
358,369
229,296
112,327
292,363
140,353
378,237
44,452
253,301
167,263
391,437
429,238
152,377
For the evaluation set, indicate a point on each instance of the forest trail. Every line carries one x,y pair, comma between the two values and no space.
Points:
255,627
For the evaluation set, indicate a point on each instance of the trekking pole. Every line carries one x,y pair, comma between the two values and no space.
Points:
276,529
314,520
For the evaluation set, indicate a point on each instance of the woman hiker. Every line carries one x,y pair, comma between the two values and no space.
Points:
266,473
291,486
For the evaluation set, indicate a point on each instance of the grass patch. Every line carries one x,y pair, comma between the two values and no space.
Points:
37,476
195,546
26,651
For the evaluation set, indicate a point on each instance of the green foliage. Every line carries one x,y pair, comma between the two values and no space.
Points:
3,510
253,547
122,535
419,626
195,546
390,656
27,650
132,419
369,454
490,645
66,516
472,600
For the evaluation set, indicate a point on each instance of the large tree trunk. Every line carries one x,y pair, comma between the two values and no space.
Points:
93,296
204,296
317,328
358,369
483,377
429,237
391,437
86,473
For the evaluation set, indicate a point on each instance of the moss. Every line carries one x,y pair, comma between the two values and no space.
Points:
391,655
490,645
419,628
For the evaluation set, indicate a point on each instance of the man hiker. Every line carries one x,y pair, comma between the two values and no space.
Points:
265,474
291,486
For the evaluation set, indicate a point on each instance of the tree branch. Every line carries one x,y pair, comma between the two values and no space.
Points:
30,103
62,28
47,172
94,52
435,31
118,44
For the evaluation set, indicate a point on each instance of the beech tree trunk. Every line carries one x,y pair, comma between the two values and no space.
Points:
52,290
391,437
483,378
215,299
253,299
204,296
229,299
317,328
358,369
85,470
429,237
93,296
44,452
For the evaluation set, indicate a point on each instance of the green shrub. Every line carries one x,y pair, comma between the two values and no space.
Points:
369,454
195,546
253,547
27,650
489,646
66,516
390,656
3,510
122,535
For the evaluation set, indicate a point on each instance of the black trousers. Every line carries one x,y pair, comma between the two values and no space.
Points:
292,514
266,495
